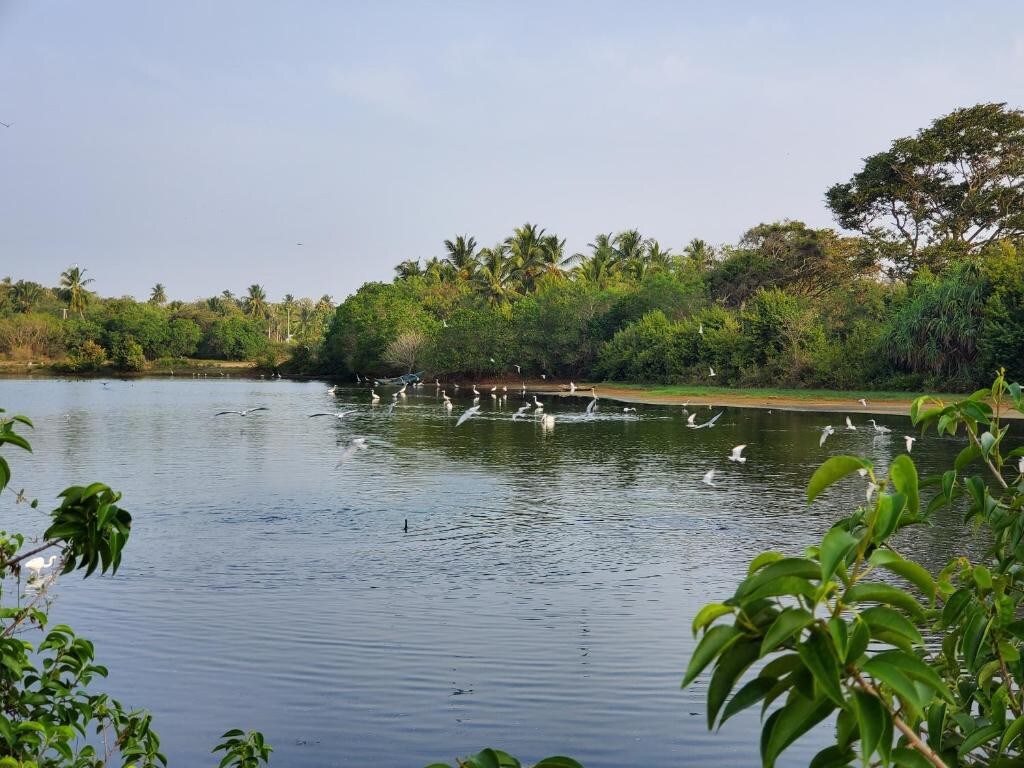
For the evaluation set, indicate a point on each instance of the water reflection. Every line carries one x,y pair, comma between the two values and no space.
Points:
540,599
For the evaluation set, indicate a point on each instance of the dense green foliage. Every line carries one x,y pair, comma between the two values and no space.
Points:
51,715
788,305
81,332
829,634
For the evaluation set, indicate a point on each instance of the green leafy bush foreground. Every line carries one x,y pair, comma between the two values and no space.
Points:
916,670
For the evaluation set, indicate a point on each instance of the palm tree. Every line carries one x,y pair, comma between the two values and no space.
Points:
227,296
526,252
495,277
462,257
25,295
703,255
325,304
434,269
600,268
658,257
158,295
288,303
256,303
555,260
306,315
72,283
408,268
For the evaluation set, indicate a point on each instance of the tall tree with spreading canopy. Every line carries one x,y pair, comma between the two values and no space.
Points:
953,188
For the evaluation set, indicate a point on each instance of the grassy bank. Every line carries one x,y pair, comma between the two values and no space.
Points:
175,367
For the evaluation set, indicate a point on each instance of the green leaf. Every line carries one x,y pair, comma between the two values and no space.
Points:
899,682
909,570
716,640
833,757
817,654
789,723
787,623
763,559
727,671
910,758
872,719
914,668
983,735
835,468
955,606
892,627
903,476
485,758
557,762
747,696
1012,732
708,614
874,592
834,548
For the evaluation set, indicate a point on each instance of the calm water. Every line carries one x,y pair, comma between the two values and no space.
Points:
540,600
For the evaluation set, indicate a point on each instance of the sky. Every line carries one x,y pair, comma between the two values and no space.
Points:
197,143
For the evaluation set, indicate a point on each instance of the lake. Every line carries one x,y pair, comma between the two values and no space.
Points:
540,600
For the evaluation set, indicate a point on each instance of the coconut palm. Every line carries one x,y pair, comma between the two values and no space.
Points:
659,258
555,261
25,295
526,251
408,268
288,303
256,303
325,303
462,258
600,268
73,290
702,254
158,294
495,277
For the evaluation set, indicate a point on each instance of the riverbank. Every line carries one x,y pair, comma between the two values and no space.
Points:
779,399
177,367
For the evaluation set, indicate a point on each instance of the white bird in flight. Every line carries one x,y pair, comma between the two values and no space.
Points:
849,424
355,444
627,409
825,433
246,412
691,422
712,373
522,409
710,422
910,442
37,565
709,477
735,455
879,428
468,414
339,415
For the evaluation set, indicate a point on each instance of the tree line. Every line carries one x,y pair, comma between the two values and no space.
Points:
72,327
915,289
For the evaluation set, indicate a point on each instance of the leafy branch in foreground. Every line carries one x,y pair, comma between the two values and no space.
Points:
495,758
926,674
50,715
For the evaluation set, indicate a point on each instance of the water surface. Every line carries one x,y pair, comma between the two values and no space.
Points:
540,600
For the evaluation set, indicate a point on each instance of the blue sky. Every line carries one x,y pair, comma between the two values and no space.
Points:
196,143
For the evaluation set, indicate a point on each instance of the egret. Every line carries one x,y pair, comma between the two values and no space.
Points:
825,433
537,403
700,329
849,424
547,421
339,415
437,384
712,373
691,422
494,361
494,388
374,397
358,379
709,477
572,387
468,414
591,407
332,390
863,402
910,442
402,390
246,412
444,395
522,409
879,428
448,405
544,376
504,388
355,444
627,409
37,565
476,392
735,455
519,369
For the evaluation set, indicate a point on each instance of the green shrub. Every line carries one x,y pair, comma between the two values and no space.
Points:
126,354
